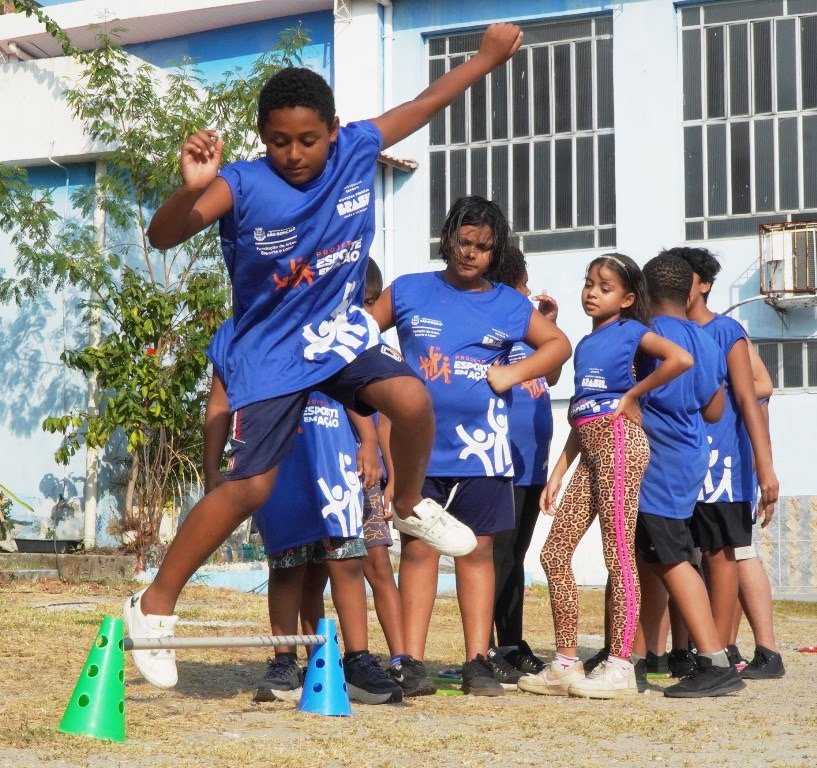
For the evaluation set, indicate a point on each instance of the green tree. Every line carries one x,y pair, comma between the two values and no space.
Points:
150,313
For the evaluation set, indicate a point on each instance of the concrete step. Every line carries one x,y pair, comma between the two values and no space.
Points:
80,567
29,574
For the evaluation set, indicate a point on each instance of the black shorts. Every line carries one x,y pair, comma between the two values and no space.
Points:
262,433
664,540
722,524
484,504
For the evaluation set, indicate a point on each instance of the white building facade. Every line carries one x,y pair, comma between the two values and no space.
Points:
627,126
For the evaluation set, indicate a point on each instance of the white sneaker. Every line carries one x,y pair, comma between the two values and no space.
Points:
437,528
606,681
553,680
158,666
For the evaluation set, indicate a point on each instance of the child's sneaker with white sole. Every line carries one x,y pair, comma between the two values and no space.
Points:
609,680
157,666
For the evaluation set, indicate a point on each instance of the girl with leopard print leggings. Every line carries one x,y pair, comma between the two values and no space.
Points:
606,433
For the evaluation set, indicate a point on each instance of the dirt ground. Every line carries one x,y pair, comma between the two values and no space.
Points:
209,720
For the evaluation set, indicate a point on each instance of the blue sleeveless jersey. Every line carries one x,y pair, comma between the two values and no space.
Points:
297,259
603,364
449,338
675,429
317,493
731,461
531,425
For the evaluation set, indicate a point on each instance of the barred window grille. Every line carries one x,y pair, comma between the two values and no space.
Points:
750,115
792,364
536,135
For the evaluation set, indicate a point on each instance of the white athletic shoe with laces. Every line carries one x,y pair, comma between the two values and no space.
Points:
553,680
158,666
437,528
606,681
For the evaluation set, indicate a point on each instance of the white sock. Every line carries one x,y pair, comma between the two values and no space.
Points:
566,662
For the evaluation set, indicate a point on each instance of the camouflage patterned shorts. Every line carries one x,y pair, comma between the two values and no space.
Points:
334,548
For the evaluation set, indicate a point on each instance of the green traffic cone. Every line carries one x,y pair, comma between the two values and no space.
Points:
97,706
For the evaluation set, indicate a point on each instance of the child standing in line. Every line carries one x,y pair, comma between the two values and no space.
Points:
674,418
741,459
406,671
606,432
530,422
312,526
296,226
455,327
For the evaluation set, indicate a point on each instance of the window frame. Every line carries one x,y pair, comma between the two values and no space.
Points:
779,376
600,28
700,227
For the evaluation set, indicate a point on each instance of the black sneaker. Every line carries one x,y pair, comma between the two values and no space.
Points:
680,663
478,678
411,675
594,661
368,683
766,665
735,657
283,680
523,659
506,674
657,666
641,675
706,680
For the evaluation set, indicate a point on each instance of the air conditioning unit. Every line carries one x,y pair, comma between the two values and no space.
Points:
788,263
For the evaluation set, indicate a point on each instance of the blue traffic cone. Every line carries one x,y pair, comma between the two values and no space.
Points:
324,690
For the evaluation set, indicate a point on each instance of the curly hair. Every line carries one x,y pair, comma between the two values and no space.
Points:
631,277
476,211
669,278
296,87
512,270
703,263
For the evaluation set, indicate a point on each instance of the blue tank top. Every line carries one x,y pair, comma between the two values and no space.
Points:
531,425
450,337
317,493
297,259
675,429
731,461
603,362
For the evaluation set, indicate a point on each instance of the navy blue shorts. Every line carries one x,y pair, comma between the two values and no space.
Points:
484,504
262,433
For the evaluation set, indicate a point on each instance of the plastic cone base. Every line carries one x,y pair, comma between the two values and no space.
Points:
97,706
324,690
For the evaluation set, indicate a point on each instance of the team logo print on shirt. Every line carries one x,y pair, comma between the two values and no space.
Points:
299,272
274,242
339,334
709,493
347,252
425,327
595,380
495,338
493,448
470,367
345,504
535,388
435,365
321,415
354,200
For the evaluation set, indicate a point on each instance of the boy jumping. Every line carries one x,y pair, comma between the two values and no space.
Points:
296,226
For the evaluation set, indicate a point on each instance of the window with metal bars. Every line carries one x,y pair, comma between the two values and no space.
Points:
792,364
750,115
536,136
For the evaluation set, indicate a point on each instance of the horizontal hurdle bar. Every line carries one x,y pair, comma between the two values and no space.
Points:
258,641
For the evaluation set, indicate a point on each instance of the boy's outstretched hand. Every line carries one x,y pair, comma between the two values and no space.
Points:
499,43
201,159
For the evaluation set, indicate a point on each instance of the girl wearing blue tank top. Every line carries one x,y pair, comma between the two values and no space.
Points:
606,432
455,328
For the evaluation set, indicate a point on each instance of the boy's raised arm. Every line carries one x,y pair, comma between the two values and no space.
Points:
202,199
499,43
